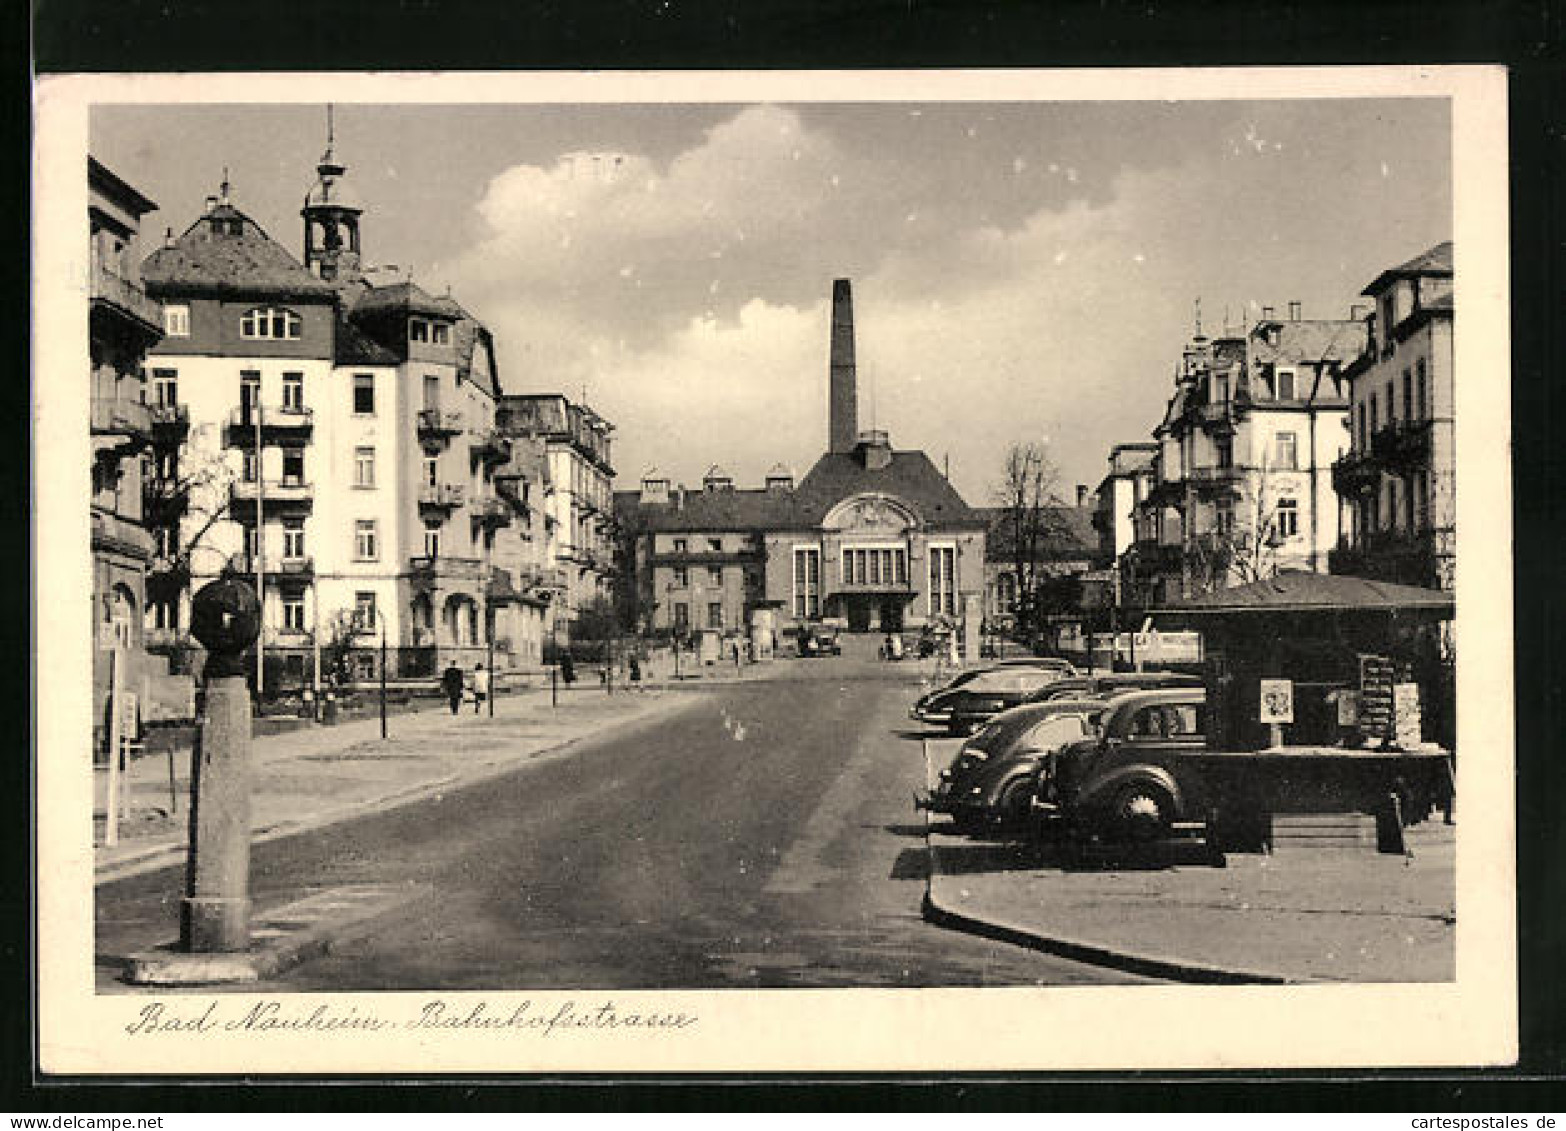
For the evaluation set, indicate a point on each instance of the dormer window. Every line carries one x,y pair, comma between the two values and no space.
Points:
418,330
269,322
423,330
440,334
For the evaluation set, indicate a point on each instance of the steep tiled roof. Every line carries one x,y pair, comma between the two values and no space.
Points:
751,509
405,298
1435,261
354,347
909,476
1299,590
204,260
1068,534
1312,340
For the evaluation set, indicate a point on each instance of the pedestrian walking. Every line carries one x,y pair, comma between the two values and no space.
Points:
451,686
636,672
480,687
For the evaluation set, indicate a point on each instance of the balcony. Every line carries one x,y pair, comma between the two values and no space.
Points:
1219,416
1151,556
119,427
299,569
163,501
490,512
280,423
126,299
115,535
1354,473
1215,479
166,569
1402,446
428,571
439,424
441,496
280,494
1166,492
1402,557
488,446
170,423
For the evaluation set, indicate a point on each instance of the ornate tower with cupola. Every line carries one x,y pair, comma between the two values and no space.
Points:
331,220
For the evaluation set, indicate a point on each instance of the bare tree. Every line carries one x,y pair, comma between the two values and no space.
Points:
1026,496
1244,551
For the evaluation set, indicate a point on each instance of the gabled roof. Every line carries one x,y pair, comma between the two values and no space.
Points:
1436,261
203,261
910,476
1302,591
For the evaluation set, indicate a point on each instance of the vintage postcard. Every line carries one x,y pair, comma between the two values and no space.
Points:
648,573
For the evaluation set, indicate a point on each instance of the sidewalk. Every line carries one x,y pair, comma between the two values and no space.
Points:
1324,907
317,775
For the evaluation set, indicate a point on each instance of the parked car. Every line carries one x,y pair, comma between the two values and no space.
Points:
1113,683
976,696
1125,783
819,640
993,779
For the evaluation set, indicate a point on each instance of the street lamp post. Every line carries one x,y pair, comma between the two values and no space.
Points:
489,649
380,616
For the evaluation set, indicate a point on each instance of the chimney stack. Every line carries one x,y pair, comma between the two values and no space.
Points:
1081,495
212,203
843,390
1358,311
1294,311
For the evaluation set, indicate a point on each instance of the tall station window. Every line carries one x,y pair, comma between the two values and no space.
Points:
807,582
942,596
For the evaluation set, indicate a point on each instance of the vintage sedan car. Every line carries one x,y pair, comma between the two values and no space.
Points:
992,781
1112,684
819,640
975,697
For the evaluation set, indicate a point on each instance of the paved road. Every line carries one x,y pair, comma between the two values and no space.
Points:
764,839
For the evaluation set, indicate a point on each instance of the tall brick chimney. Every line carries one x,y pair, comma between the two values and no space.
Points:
843,389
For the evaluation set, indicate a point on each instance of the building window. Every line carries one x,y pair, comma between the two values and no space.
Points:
432,539
942,596
366,543
715,614
1223,516
364,467
1223,448
247,465
440,334
418,330
715,545
165,387
176,321
1420,389
252,543
249,393
1288,518
1286,452
269,322
293,467
364,610
682,617
807,582
293,539
1359,421
1408,395
1421,502
431,391
715,575
1285,384
682,577
1374,423
293,614
431,471
364,394
681,545
293,392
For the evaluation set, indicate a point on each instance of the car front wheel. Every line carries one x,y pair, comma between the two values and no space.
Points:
1141,812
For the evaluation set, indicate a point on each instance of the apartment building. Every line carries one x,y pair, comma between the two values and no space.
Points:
337,448
1242,485
577,500
1118,496
1397,480
123,323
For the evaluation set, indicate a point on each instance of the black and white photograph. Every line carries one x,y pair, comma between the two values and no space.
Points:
913,571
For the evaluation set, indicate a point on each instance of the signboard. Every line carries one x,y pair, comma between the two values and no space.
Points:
1348,708
1277,701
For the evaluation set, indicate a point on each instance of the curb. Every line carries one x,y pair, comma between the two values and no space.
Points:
1154,966
157,858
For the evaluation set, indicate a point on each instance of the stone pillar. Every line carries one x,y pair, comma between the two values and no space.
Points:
215,913
972,619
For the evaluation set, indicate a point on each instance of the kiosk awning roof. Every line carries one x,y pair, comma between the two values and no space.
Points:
1299,591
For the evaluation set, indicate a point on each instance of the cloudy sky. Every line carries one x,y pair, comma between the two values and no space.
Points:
1022,271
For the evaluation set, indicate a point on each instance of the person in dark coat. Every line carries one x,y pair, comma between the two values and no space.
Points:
451,686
